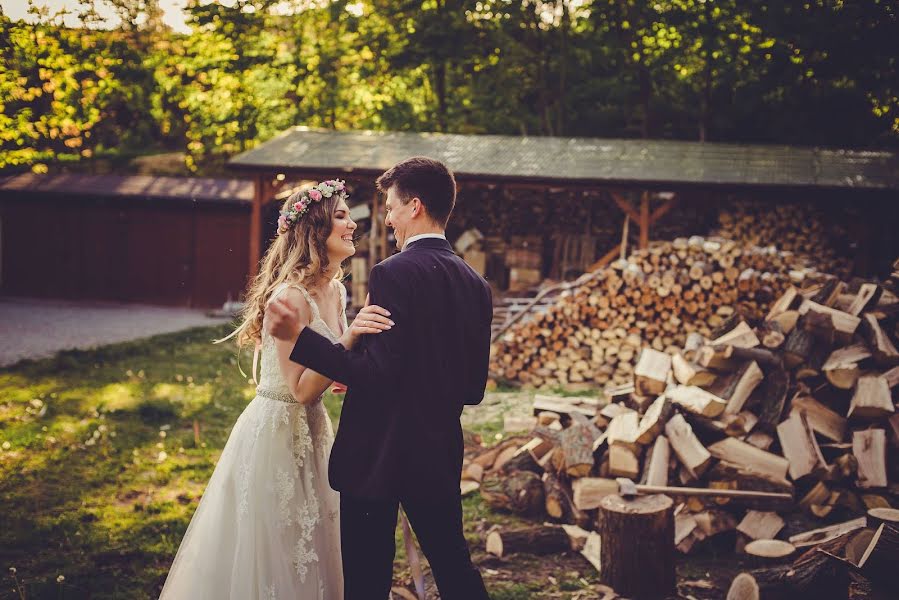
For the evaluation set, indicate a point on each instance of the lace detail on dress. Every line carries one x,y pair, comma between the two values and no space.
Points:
243,488
285,486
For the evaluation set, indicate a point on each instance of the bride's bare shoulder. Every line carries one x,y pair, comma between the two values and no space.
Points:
295,298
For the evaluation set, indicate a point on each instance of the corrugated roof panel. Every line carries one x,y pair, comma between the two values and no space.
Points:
580,159
193,188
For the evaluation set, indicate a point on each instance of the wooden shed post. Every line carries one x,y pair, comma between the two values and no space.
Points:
260,189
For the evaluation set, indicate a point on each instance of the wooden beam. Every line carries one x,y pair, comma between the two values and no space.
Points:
625,206
644,221
660,212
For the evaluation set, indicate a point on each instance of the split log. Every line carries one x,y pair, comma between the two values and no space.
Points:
740,424
885,352
658,457
767,551
562,405
877,516
774,395
716,357
842,324
623,462
696,400
624,430
872,398
797,348
691,453
892,377
741,336
760,439
821,419
654,420
714,521
688,373
539,540
771,334
743,587
759,355
869,447
647,569
799,446
868,295
730,476
521,460
740,453
651,372
784,303
576,444
740,387
760,525
826,534
589,491
520,492
882,556
684,526
559,503
841,367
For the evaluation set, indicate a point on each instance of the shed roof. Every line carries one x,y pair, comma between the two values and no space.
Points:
136,186
556,160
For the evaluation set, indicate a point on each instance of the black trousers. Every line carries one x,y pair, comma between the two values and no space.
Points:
367,530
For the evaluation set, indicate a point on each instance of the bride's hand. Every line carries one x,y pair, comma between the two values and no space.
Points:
371,319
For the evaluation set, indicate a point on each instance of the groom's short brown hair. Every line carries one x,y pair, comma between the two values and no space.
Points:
428,180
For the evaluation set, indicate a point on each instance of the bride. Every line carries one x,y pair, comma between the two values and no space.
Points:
267,526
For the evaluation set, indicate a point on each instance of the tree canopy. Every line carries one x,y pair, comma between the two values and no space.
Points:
803,72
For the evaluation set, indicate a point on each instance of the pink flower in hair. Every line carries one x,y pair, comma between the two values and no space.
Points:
299,206
315,195
282,222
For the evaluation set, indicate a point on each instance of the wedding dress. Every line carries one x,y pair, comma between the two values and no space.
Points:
268,526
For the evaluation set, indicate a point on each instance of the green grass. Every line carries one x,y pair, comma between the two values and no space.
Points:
99,467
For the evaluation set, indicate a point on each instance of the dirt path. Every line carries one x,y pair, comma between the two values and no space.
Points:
31,328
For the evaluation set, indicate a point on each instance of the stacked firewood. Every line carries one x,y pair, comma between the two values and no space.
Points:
593,334
806,228
796,408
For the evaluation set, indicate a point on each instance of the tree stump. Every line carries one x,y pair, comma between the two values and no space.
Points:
637,535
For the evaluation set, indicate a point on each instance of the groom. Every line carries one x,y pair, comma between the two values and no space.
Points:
400,440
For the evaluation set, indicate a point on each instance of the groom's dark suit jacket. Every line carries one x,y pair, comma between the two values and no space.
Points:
399,433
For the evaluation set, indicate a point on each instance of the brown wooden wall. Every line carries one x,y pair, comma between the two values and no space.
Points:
173,252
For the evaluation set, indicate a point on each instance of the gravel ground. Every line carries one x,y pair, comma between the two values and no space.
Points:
32,328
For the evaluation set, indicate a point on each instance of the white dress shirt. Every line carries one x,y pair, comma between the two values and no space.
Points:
422,236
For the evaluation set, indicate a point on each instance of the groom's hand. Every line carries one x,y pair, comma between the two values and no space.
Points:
282,321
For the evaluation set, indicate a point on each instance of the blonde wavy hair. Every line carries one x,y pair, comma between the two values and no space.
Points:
298,255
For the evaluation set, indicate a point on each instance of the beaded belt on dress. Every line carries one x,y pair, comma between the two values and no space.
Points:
279,396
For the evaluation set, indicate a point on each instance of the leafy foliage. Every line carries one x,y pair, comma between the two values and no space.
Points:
795,71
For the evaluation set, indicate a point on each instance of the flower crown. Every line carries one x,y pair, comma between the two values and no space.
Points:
325,189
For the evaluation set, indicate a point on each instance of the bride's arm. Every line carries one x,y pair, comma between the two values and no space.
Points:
306,385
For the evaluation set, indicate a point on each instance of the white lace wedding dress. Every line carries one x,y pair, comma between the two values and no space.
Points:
268,525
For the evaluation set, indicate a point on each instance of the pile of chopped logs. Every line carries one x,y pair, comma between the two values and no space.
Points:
791,415
810,229
593,334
